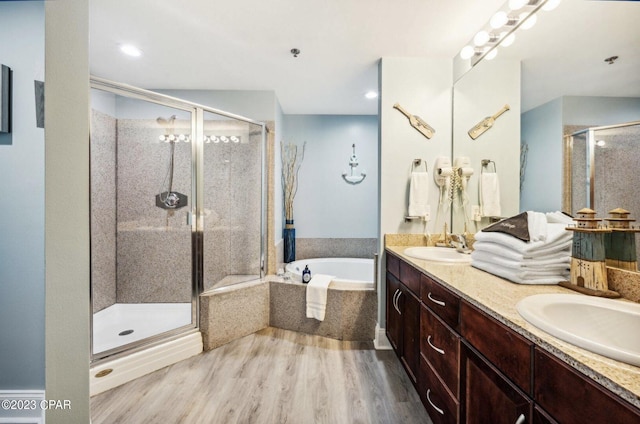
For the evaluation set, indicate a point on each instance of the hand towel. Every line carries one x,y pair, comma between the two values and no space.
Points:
317,296
490,194
419,194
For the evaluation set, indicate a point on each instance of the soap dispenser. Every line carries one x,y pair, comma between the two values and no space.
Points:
306,274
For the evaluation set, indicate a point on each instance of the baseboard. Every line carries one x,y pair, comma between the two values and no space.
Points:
380,342
22,406
137,364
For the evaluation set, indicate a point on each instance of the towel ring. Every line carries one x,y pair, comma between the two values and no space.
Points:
417,162
485,164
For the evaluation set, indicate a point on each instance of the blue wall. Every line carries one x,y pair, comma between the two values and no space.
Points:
22,288
325,205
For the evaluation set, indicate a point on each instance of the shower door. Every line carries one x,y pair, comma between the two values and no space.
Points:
232,192
142,234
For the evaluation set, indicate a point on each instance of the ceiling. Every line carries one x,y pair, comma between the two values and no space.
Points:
245,44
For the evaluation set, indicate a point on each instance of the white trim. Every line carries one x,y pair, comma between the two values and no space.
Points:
33,415
143,362
380,342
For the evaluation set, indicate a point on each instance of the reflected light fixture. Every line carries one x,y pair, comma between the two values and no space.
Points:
528,20
371,94
130,50
481,38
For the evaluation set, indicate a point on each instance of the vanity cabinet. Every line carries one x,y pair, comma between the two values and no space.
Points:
569,397
469,367
403,324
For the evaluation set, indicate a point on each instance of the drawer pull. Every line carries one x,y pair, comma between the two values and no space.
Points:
437,302
520,419
396,296
440,351
440,411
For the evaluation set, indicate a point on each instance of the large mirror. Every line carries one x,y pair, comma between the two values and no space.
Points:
569,80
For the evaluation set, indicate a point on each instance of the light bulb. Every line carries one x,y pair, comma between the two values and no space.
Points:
550,5
499,20
506,42
162,138
529,22
207,139
371,95
467,52
181,137
493,53
224,139
601,143
481,38
215,139
235,139
517,4
172,137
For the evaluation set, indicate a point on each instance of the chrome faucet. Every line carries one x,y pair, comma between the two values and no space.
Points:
459,242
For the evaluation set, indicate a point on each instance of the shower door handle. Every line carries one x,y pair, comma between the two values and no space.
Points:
189,218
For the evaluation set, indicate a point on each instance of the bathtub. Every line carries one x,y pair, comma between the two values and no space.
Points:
350,273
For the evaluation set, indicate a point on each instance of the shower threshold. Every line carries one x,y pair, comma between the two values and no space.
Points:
124,323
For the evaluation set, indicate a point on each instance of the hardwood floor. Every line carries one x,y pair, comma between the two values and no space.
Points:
272,377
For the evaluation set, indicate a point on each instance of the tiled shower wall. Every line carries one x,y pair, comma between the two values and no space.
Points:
153,259
103,210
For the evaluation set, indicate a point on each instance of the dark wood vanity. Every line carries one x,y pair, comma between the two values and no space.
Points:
468,367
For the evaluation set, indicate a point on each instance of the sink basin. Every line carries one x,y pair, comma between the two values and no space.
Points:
438,254
604,326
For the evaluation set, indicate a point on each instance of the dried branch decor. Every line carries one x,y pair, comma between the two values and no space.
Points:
291,161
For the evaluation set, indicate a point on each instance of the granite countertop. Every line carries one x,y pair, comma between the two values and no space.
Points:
498,297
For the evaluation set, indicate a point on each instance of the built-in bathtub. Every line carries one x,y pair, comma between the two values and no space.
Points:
350,273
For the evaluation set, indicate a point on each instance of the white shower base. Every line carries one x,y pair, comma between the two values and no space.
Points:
145,319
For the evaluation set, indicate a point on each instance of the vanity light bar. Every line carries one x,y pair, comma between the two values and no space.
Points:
500,30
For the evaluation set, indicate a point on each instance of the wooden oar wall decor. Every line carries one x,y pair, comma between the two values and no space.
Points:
484,125
417,122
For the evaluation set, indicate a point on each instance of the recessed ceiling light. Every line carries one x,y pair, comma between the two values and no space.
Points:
371,95
130,50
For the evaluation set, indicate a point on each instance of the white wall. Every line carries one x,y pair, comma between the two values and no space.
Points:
22,291
67,209
423,87
326,206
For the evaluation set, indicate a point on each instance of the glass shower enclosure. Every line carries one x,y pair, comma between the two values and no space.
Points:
177,207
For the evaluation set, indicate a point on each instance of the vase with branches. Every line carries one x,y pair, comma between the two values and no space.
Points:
292,159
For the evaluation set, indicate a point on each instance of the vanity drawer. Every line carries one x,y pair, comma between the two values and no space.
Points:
441,406
507,350
410,277
393,265
441,301
441,347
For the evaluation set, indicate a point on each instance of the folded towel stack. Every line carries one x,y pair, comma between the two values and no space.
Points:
317,296
544,259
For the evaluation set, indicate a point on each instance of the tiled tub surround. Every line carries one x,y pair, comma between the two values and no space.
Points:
498,298
234,311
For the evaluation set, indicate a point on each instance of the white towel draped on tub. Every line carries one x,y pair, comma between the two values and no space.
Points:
419,194
317,296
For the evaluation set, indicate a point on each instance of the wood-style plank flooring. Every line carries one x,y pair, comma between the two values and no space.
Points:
271,377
